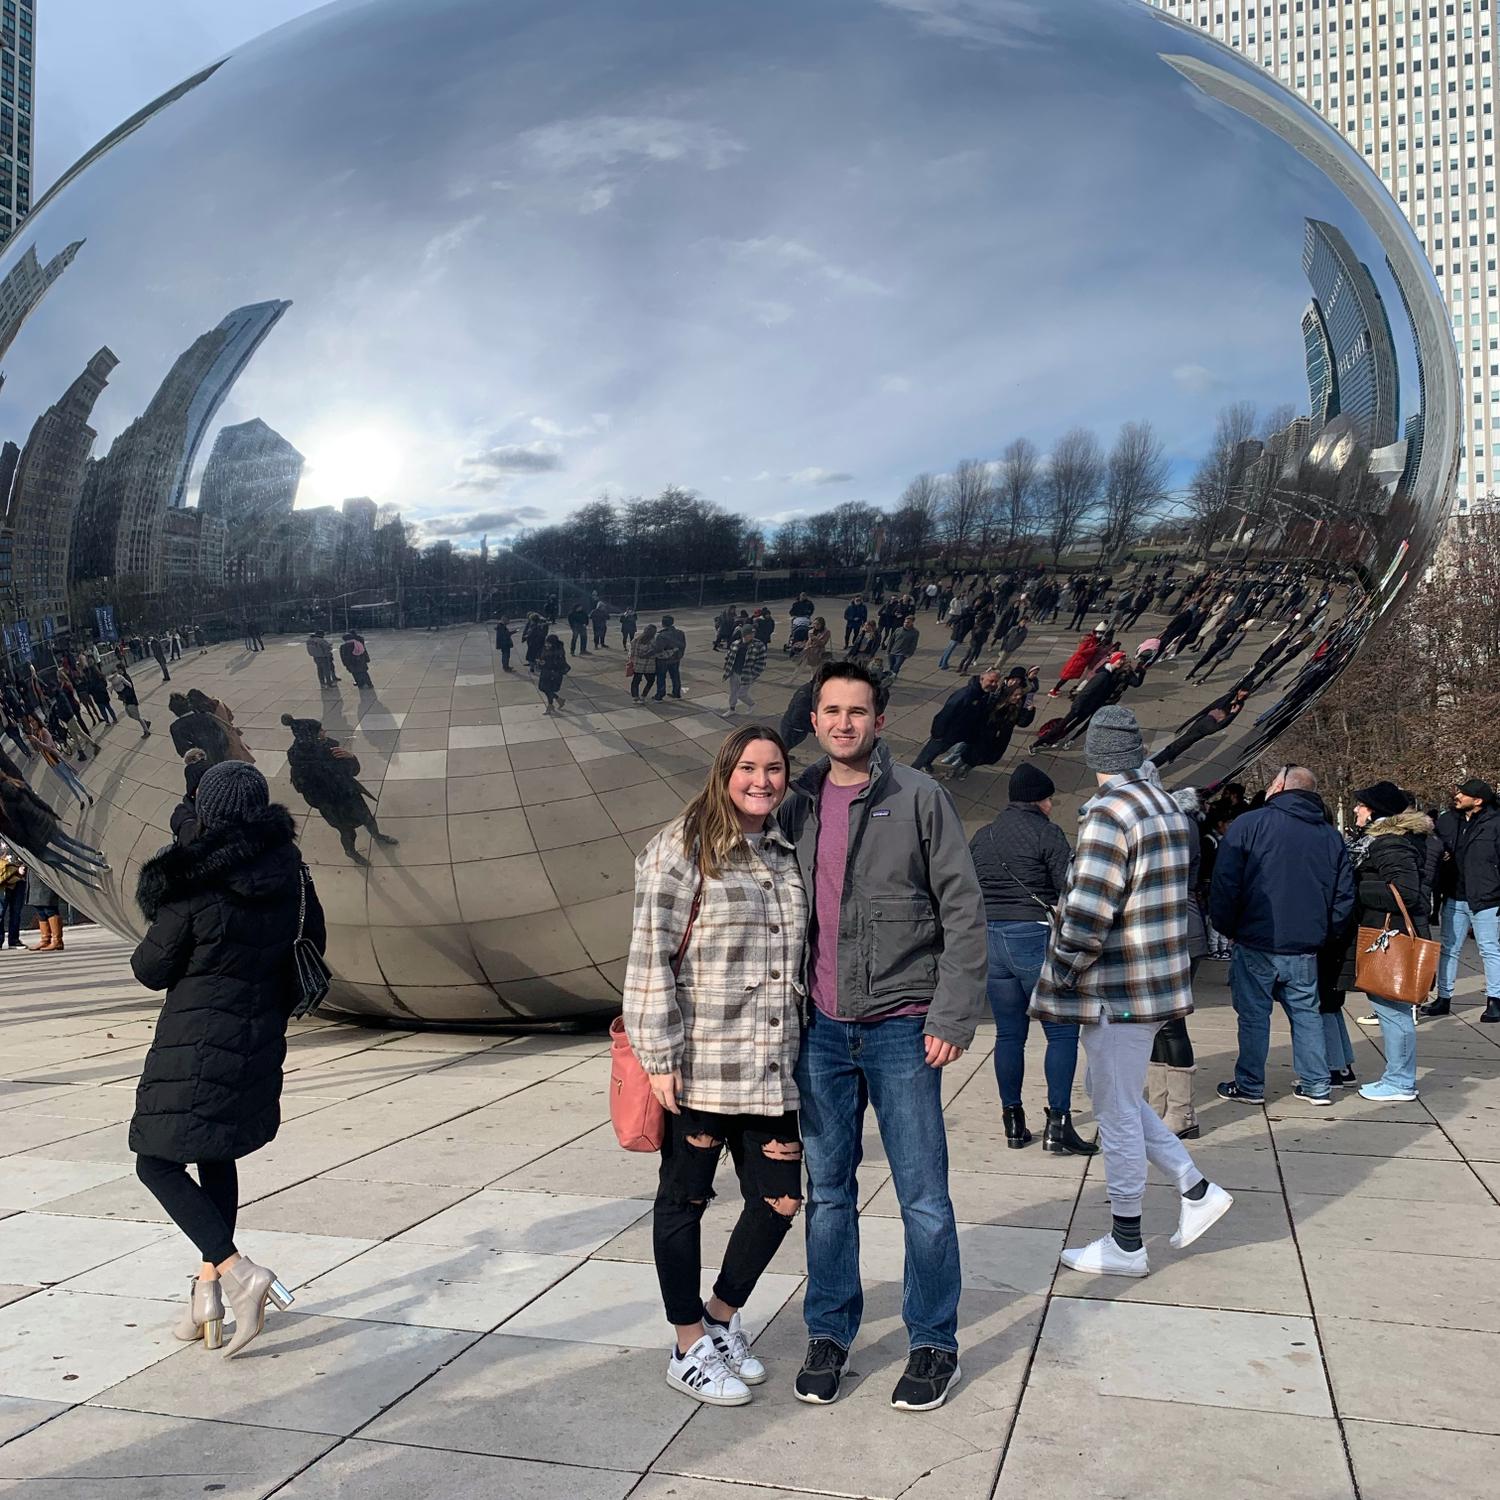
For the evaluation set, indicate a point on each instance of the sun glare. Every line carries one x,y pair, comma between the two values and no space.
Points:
351,461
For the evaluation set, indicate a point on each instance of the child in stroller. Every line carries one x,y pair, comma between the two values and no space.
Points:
797,641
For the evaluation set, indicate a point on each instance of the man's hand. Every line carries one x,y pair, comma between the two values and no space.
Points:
666,1087
939,1052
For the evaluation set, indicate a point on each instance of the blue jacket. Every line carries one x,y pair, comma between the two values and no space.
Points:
1282,879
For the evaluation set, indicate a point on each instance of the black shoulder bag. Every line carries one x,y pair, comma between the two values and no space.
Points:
313,973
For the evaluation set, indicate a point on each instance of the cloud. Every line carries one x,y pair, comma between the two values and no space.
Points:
816,475
492,466
608,140
769,314
993,22
895,385
597,422
1196,378
780,253
480,521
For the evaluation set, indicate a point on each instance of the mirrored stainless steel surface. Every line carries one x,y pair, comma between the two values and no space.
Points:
397,275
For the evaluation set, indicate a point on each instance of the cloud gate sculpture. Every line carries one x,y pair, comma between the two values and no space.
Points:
308,343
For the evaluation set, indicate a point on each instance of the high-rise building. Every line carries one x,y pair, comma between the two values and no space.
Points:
1411,86
17,66
45,493
1358,333
25,284
250,486
1322,385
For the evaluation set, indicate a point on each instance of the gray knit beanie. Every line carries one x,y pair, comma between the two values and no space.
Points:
1112,744
231,792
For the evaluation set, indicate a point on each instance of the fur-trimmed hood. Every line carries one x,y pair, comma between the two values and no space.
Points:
253,859
1410,821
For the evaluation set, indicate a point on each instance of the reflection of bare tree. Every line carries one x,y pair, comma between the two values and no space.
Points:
1213,494
1070,488
966,498
1135,480
1016,490
914,524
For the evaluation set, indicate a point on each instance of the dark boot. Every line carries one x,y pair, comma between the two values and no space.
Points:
1061,1139
1442,1006
1016,1133
1491,1009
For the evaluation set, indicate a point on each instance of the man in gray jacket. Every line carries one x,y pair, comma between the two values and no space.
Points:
896,972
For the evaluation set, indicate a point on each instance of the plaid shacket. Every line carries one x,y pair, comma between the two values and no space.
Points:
731,1018
755,659
1120,944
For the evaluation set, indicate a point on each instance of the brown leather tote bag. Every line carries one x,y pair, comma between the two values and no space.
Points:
1395,965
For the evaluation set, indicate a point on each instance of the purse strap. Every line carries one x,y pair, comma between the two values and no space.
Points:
687,933
1045,906
1405,915
301,899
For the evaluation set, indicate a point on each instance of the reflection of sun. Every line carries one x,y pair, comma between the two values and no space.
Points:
351,461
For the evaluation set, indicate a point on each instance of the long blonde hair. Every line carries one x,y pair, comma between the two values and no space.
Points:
711,827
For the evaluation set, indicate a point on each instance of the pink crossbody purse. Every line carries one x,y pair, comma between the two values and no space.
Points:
637,1116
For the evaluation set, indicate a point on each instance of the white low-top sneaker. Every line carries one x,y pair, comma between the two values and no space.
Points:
702,1374
1200,1215
1105,1258
735,1348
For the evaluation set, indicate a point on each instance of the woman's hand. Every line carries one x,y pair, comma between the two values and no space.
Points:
666,1087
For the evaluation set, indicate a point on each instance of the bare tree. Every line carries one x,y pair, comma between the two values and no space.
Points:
1214,499
1070,488
965,497
914,523
1135,480
1016,490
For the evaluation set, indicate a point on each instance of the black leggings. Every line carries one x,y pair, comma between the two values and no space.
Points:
687,1183
205,1210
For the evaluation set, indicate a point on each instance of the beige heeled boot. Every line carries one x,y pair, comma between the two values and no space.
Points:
203,1317
1156,1087
1179,1114
247,1287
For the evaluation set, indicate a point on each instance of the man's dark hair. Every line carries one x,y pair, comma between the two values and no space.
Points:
850,671
666,620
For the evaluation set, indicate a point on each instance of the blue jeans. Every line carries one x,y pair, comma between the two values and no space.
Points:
1016,953
1457,920
944,658
1398,1035
844,1065
1257,980
896,659
665,669
1336,1041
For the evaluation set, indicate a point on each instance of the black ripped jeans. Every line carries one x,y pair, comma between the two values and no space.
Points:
685,1187
205,1210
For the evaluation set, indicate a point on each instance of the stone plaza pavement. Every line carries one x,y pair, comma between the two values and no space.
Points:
477,1314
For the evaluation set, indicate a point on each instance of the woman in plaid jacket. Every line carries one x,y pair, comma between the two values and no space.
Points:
713,1009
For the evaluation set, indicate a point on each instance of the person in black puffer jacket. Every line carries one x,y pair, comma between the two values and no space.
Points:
1390,851
328,776
224,911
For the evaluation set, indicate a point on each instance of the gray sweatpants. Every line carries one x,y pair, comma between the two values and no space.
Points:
1130,1131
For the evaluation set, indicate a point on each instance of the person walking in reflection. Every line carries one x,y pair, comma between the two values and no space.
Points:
355,656
1117,963
224,910
578,623
64,717
1022,859
504,641
1282,889
627,626
43,744
551,670
158,651
92,684
639,663
599,619
327,775
713,1009
235,747
322,654
30,821
896,966
252,636
196,726
671,647
534,637
819,645
744,661
125,692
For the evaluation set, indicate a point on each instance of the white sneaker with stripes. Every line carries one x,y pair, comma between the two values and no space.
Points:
702,1374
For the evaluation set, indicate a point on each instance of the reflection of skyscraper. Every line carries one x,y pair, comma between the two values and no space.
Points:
129,491
1322,381
1359,334
243,332
25,284
45,493
17,65
250,485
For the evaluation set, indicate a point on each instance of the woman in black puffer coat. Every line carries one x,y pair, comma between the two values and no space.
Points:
224,911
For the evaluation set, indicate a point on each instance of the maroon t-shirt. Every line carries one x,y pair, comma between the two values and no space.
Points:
834,803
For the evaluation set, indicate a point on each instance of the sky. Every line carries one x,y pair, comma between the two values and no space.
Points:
786,254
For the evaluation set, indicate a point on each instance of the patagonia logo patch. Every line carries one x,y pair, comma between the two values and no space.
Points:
881,812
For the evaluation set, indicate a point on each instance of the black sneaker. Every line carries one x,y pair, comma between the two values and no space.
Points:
1343,1079
930,1375
822,1372
1233,1091
1301,1093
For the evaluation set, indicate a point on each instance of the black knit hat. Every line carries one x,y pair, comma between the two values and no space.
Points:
231,792
302,729
1029,783
1385,799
